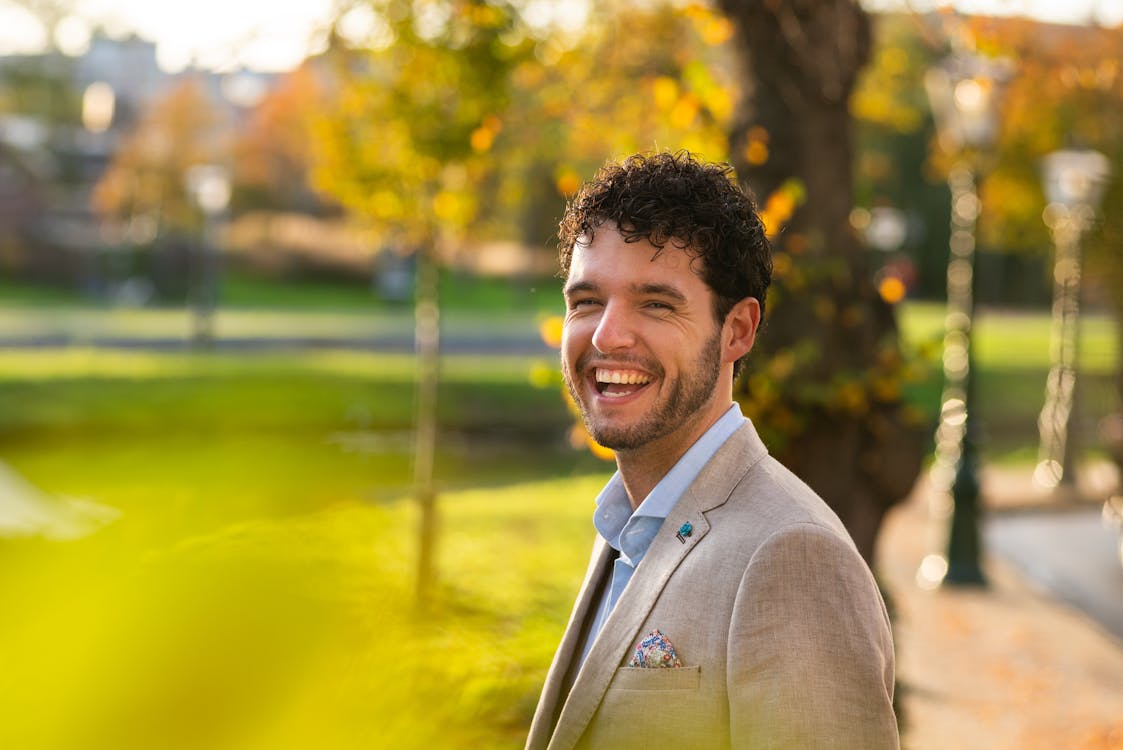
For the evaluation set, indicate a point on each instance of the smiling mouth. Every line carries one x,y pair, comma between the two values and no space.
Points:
619,383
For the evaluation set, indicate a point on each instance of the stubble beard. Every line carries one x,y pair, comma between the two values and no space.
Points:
687,395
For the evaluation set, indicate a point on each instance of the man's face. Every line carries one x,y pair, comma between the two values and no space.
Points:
641,351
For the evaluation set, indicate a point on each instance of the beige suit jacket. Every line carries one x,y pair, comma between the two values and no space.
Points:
782,633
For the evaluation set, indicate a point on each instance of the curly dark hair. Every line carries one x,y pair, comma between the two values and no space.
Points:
697,206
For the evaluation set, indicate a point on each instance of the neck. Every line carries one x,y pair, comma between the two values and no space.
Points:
644,467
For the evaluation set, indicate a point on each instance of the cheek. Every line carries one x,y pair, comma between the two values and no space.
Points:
574,335
569,351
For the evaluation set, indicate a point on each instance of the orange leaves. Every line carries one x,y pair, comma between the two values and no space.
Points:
146,175
714,28
756,146
483,136
892,289
780,206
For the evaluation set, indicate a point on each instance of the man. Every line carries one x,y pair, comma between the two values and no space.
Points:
725,605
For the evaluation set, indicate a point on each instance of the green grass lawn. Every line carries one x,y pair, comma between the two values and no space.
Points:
458,292
122,427
1011,365
210,438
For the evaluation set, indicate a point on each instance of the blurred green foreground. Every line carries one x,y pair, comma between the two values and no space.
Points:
256,588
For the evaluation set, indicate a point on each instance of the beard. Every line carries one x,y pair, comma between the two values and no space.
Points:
684,396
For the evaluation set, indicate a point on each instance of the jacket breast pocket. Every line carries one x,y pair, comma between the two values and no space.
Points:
667,678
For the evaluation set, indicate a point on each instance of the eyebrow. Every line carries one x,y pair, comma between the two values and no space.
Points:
661,290
578,286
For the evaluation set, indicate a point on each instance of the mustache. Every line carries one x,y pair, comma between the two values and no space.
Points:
594,358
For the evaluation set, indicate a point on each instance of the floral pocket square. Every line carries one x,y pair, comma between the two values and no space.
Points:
655,651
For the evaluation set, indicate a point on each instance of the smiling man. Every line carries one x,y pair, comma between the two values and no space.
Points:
724,605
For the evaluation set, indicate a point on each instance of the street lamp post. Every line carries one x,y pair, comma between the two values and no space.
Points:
1074,182
964,92
209,185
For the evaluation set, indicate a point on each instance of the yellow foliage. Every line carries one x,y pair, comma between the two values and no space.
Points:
598,450
447,206
685,110
664,90
550,329
716,30
704,143
386,205
720,103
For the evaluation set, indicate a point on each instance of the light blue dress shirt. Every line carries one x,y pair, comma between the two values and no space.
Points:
631,533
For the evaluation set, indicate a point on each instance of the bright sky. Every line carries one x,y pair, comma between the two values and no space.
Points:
223,34
277,34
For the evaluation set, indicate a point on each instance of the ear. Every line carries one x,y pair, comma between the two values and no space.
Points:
739,331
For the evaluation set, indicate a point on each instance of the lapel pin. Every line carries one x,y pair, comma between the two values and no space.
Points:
684,531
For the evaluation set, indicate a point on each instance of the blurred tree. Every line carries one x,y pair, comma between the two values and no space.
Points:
439,130
826,385
406,143
1068,92
667,83
146,181
49,13
35,87
40,89
893,129
43,85
145,196
272,153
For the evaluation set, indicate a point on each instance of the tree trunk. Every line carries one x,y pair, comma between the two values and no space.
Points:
428,354
849,439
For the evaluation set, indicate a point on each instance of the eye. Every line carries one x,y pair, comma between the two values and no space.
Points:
658,305
580,302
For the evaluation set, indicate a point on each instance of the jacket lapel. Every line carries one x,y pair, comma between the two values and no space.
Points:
553,692
618,637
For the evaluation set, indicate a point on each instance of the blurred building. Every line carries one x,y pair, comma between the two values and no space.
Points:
62,120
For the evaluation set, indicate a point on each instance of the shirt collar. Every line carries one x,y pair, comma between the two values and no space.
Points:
631,533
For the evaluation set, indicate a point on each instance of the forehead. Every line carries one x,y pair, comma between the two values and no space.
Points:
609,256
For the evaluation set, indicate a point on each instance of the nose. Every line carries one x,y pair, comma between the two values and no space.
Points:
614,330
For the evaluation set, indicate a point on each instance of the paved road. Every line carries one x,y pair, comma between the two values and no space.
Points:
1070,554
264,330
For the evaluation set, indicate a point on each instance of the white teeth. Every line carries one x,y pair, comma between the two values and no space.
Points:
623,377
